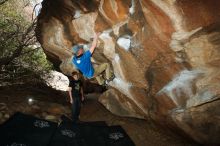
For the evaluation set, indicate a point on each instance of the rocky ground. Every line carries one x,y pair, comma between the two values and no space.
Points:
50,105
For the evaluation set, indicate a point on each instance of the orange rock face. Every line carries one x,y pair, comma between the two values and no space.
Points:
165,56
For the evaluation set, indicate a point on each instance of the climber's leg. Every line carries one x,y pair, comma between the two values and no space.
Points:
100,80
103,67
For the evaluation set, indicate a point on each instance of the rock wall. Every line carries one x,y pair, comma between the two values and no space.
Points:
165,56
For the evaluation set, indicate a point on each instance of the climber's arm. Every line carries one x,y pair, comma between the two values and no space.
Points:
94,43
70,95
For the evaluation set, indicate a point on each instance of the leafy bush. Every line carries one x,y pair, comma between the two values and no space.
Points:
21,57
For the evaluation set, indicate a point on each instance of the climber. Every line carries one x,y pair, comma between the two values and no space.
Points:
82,61
76,95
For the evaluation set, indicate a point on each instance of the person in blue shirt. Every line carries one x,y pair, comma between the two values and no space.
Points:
82,61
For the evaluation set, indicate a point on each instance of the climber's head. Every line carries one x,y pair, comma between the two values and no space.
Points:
77,50
75,75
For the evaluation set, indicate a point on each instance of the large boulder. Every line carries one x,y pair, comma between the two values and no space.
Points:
165,56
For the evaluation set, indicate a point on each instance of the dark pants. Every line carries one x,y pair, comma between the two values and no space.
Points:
76,106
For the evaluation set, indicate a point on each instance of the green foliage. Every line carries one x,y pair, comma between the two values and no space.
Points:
36,61
30,63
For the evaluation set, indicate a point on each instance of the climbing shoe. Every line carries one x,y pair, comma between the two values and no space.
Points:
111,78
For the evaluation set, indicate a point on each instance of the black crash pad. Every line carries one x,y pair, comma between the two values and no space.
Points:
83,134
67,134
26,130
94,133
90,134
103,135
118,137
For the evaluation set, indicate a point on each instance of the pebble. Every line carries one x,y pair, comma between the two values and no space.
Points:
50,117
6,116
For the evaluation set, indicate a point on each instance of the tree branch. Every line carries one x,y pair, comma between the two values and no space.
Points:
24,42
3,1
30,51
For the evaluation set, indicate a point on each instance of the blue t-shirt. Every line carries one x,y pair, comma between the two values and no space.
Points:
84,64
